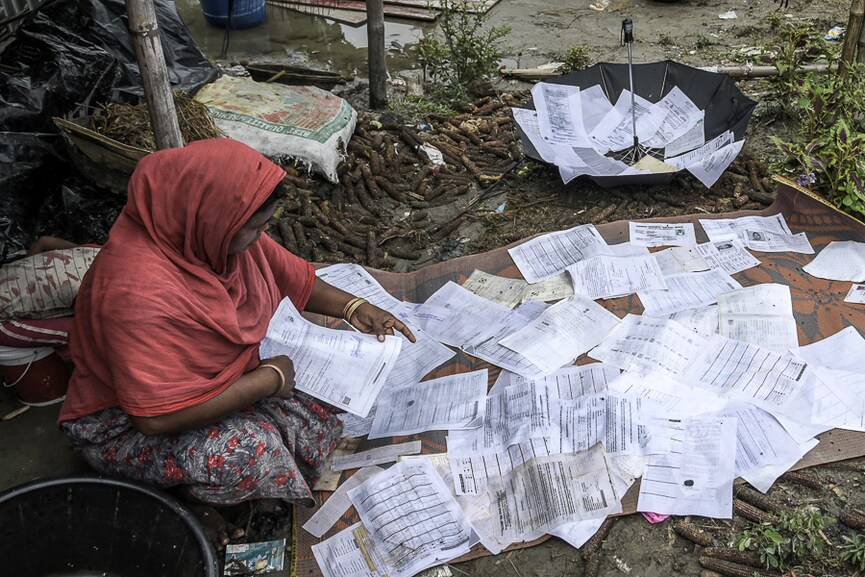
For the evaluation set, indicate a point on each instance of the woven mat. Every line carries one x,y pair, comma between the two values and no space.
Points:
818,305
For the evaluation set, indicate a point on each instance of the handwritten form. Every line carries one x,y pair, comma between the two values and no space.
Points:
321,355
550,254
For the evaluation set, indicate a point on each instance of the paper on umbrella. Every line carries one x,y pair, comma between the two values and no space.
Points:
344,368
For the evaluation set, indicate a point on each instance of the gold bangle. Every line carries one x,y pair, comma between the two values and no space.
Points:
281,377
348,305
353,309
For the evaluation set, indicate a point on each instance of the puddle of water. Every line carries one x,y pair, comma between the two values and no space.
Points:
291,37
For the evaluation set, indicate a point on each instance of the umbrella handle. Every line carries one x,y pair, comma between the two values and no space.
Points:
627,36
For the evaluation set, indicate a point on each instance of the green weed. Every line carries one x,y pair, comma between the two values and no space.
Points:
786,543
575,58
853,551
463,54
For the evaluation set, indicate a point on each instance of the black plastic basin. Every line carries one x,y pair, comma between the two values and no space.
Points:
92,525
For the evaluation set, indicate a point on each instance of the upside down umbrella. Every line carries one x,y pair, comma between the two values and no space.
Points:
677,117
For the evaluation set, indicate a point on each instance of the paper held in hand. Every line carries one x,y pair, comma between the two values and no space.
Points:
344,368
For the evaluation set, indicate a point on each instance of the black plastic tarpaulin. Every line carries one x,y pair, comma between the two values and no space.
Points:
67,58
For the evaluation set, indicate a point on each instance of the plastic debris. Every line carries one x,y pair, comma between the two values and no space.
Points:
835,33
435,156
731,15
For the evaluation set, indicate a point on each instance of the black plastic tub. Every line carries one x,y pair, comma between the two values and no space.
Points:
91,525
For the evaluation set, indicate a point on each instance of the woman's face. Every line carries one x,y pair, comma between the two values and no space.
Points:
250,232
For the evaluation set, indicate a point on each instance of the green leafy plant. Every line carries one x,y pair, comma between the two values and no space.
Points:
417,108
464,54
853,551
795,44
831,139
575,58
787,542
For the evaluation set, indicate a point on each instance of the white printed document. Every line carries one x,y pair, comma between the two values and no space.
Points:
550,254
682,115
562,333
839,260
720,229
662,234
694,475
513,415
560,115
729,256
764,241
416,359
550,491
611,276
687,291
733,368
476,325
447,403
344,368
342,555
650,344
761,315
680,259
411,517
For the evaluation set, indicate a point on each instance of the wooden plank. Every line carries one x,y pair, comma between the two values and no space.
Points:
360,6
350,17
473,6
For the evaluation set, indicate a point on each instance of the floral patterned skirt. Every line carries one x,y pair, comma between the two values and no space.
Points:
275,448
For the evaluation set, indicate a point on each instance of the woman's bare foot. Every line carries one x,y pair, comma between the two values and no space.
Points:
219,531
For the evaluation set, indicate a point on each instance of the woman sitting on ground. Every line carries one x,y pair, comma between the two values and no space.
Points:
168,388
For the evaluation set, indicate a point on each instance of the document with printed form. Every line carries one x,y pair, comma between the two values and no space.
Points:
411,518
448,403
344,368
694,473
761,315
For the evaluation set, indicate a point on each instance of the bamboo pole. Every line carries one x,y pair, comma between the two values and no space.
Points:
154,73
852,35
534,74
375,51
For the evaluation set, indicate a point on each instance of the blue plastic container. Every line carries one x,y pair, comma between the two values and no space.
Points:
244,13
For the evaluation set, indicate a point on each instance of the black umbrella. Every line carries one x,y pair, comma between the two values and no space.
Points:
725,107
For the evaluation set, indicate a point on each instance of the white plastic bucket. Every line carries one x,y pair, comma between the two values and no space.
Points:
39,375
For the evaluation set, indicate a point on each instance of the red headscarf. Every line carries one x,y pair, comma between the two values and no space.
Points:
166,318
